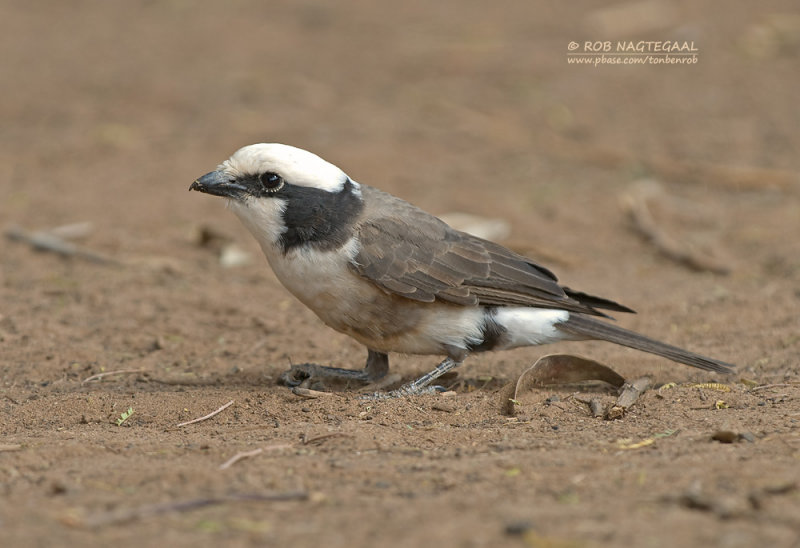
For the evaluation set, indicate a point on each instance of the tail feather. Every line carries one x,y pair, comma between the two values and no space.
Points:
591,328
597,302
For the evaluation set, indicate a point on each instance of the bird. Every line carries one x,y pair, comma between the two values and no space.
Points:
400,280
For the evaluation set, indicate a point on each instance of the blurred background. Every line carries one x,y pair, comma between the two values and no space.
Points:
118,106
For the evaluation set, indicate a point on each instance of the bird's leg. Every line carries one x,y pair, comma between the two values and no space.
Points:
419,386
376,368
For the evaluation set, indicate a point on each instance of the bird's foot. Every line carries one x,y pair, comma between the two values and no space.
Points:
406,390
305,373
419,386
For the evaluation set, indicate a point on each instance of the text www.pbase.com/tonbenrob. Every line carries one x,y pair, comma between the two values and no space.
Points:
597,60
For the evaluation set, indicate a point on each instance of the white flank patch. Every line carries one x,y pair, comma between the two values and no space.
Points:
452,326
531,326
295,165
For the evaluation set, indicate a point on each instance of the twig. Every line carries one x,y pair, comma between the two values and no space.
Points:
305,441
308,394
766,386
107,373
719,175
247,454
72,231
207,416
125,515
257,345
239,456
319,439
724,176
47,241
645,224
181,382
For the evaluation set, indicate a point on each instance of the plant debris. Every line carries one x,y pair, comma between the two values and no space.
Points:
125,416
309,394
125,515
629,393
107,373
555,369
51,241
247,454
635,203
207,416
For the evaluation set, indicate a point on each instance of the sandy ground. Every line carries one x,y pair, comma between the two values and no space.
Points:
110,110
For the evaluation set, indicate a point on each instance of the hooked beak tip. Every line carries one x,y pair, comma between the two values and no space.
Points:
218,184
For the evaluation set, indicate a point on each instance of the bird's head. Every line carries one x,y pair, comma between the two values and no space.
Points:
285,196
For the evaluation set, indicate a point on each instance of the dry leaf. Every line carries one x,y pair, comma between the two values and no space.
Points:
557,369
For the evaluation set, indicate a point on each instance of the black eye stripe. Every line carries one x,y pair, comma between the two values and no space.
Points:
316,217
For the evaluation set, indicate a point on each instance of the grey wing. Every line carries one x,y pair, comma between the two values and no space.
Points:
415,255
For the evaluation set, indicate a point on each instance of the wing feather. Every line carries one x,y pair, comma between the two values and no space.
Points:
411,253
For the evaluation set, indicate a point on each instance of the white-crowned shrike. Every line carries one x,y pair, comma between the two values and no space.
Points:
398,279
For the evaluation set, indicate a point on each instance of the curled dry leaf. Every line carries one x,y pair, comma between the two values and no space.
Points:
557,369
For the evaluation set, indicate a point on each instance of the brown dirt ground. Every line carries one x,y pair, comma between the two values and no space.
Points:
110,110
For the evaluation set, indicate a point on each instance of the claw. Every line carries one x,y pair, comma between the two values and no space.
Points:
297,374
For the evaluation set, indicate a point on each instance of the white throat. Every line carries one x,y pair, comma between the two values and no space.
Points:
264,219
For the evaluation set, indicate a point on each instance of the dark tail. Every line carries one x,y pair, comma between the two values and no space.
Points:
591,328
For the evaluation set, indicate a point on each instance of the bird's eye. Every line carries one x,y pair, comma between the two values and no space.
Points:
272,182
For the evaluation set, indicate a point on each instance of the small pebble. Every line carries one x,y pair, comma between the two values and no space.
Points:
725,436
596,408
447,408
518,528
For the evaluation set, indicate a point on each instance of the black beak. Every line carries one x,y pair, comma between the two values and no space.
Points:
219,184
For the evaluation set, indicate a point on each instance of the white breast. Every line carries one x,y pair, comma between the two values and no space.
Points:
322,280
